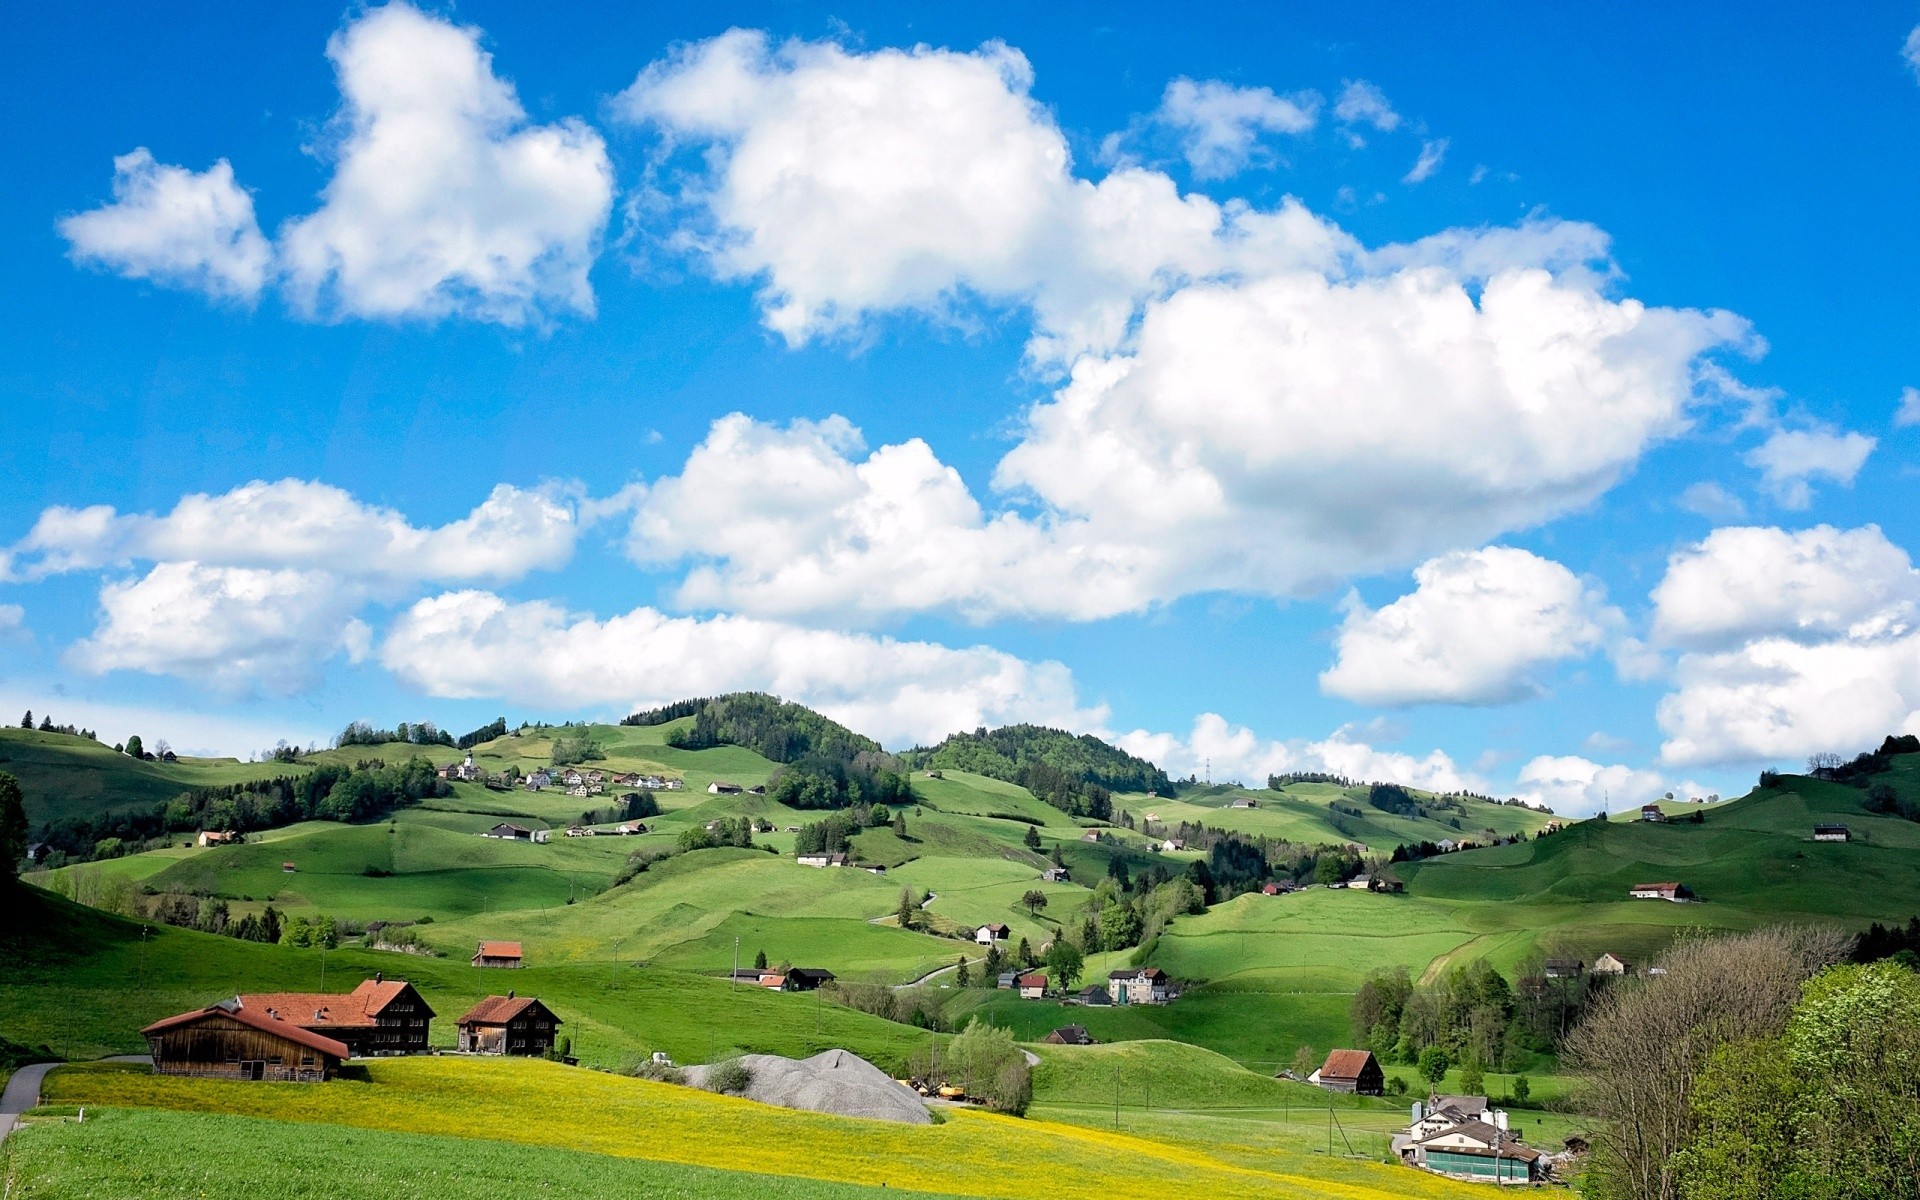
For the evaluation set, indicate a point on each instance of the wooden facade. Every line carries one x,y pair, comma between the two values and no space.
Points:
497,954
228,1041
509,1025
381,1017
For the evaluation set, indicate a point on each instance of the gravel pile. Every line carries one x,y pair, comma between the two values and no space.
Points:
836,1081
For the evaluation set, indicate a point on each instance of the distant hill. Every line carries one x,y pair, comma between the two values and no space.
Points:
1011,751
775,729
63,775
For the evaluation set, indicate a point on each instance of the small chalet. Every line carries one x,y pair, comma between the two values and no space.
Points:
1091,835
1007,980
1054,875
1095,996
538,781
1361,882
1139,985
773,981
1676,892
1069,1035
214,837
629,828
508,1024
498,954
1565,968
1651,812
1832,833
506,831
1611,964
1388,884
807,979
231,1041
1446,845
822,859
380,1017
717,788
987,935
1355,1071
1244,802
1280,887
1033,986
1171,844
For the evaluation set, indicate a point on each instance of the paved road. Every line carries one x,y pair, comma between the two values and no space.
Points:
23,1089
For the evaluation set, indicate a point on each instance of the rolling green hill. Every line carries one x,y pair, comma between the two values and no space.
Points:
1322,813
1006,752
63,775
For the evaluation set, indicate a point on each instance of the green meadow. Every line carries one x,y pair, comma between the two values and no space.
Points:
63,775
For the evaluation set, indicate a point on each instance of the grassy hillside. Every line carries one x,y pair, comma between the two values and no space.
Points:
1321,813
968,1154
1006,752
63,775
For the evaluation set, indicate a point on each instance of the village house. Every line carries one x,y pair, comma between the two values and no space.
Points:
1832,833
508,831
538,781
508,1024
1094,996
807,979
498,954
723,789
1244,802
1171,844
571,778
1611,964
1054,875
1564,968
1446,845
380,1017
1139,985
1676,892
229,1041
1033,986
1069,1035
1444,1112
211,837
1355,1071
1280,887
1091,835
629,828
1651,812
579,790
987,935
821,859
1007,980
1362,882
673,785
773,981
1387,885
1479,1148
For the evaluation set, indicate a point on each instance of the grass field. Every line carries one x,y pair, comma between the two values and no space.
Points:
608,1115
1304,813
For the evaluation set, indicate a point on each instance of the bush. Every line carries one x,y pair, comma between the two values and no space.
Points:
731,1077
660,1073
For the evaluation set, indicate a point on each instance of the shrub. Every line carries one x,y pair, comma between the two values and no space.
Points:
731,1077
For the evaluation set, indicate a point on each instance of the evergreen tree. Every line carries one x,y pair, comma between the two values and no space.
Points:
906,908
134,749
13,826
1032,838
961,979
26,722
760,960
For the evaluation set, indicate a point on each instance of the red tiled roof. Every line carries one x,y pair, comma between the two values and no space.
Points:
258,1020
1344,1064
498,1010
1036,980
353,1010
499,950
1654,887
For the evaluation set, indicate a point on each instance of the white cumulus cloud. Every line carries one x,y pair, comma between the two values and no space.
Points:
473,644
1234,752
235,629
1577,787
1791,459
1432,154
176,227
1220,125
1793,643
1478,629
1908,413
1362,103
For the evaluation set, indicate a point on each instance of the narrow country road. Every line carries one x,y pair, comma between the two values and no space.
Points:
23,1089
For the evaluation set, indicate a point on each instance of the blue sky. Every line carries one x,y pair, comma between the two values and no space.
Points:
1499,398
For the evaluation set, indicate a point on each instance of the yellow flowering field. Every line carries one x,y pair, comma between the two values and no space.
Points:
539,1103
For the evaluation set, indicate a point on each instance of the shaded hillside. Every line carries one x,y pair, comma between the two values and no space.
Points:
1012,752
63,775
770,727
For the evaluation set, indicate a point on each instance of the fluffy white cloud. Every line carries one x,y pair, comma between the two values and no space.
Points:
1362,103
176,227
1795,643
1432,154
1712,501
1220,125
1577,787
472,644
1790,459
1910,51
236,629
1235,752
444,200
854,184
314,526
1477,629
202,733
1909,411
1746,583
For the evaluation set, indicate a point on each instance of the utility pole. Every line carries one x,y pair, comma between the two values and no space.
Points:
613,966
734,979
1116,1095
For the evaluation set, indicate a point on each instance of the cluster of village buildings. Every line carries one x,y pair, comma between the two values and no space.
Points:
306,1036
573,781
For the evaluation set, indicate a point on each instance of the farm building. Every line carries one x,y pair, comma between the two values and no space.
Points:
1033,986
1054,875
1280,887
498,954
987,935
1651,812
1832,833
1139,985
1245,802
1171,844
380,1017
807,979
723,789
1095,996
1565,968
1675,892
773,981
230,1041
1007,980
1069,1035
1362,883
822,860
288,867
1610,964
1354,1071
1478,1151
507,831
215,837
508,1024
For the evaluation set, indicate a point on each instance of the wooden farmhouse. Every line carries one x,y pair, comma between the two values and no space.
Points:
230,1041
1354,1071
380,1017
497,954
1832,833
1139,985
508,1024
1611,964
1069,1035
1033,986
1676,892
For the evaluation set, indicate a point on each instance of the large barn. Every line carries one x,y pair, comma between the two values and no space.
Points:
508,1024
231,1041
1351,1071
380,1017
